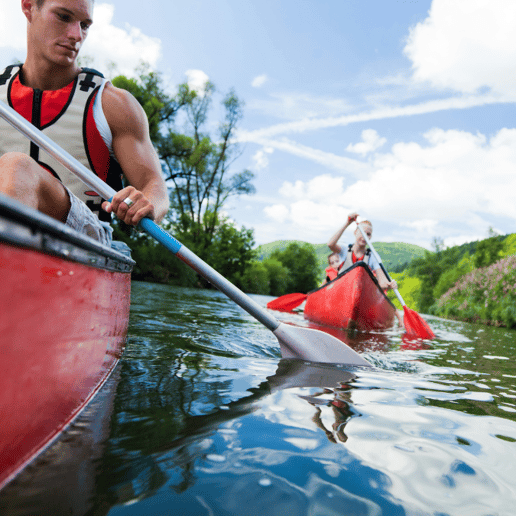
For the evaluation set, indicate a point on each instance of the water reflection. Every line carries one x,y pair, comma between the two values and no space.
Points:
208,420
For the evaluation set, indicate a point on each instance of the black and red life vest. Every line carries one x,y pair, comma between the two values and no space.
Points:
66,117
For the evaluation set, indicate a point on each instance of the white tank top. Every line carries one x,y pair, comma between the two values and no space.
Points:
100,120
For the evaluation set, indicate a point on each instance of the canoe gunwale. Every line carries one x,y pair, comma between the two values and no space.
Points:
25,227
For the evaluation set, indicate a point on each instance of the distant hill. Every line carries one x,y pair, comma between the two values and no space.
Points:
393,254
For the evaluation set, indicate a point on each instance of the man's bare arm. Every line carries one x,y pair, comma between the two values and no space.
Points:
139,161
332,243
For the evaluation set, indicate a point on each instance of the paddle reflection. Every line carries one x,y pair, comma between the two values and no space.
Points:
184,432
360,341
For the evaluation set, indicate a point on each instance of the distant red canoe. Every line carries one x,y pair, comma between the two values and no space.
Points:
353,300
64,314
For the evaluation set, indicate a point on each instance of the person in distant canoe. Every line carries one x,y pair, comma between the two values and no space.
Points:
358,251
103,127
332,270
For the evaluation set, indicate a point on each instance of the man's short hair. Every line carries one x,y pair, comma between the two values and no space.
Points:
39,3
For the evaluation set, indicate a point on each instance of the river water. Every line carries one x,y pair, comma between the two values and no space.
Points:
203,417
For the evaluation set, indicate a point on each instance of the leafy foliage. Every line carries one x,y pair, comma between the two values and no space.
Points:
484,294
294,269
301,262
199,168
255,279
488,251
279,276
429,270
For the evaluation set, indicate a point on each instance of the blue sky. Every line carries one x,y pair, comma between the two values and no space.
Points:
401,110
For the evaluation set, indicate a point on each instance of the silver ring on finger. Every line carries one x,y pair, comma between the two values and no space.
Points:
128,201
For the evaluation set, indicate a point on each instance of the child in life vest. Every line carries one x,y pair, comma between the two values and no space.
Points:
332,270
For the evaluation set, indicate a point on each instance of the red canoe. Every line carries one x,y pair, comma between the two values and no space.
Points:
353,300
64,314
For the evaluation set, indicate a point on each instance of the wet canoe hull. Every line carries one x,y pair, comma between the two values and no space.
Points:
353,300
63,322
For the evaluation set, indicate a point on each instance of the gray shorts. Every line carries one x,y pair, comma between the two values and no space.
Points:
84,221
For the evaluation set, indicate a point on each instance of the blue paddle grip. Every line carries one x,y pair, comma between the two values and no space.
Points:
164,238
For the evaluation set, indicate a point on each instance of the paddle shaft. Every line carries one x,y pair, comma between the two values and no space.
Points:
379,260
149,226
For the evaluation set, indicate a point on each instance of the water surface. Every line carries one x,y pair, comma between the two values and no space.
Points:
204,418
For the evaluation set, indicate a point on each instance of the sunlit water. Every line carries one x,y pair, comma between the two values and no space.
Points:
203,418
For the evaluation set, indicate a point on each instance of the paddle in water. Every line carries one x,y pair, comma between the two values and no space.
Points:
295,342
415,325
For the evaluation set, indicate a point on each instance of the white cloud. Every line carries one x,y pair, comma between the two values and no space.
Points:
261,159
311,209
455,179
305,220
466,46
259,81
371,141
126,47
197,80
277,212
299,106
379,113
13,23
326,159
323,189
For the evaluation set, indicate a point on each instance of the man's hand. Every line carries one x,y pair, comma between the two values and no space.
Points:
130,206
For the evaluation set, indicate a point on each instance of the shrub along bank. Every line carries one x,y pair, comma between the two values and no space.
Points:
484,295
474,282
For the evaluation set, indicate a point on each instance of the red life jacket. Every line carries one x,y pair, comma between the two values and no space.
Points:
65,116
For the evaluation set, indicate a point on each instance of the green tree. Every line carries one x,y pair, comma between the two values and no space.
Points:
279,276
160,107
255,279
489,250
199,165
231,250
301,261
199,168
429,269
449,277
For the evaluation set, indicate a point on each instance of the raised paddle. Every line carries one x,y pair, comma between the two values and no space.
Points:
295,342
287,303
414,323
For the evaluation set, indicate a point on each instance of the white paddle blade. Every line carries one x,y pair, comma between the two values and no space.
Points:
315,346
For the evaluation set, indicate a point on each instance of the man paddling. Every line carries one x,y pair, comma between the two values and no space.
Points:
102,126
358,251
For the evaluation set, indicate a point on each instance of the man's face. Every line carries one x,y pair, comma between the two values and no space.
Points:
58,28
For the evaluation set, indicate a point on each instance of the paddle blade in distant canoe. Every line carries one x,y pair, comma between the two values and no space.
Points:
415,325
287,302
